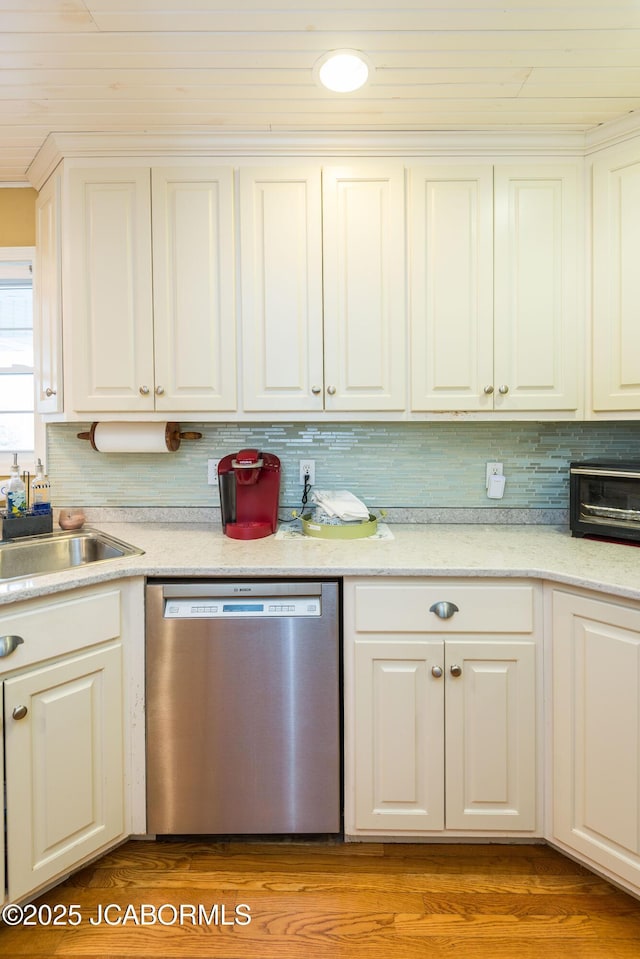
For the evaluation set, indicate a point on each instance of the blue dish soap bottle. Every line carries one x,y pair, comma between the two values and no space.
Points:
40,492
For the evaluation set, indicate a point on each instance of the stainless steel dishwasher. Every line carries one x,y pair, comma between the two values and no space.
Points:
243,708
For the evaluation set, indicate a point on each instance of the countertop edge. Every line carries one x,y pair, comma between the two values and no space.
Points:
514,552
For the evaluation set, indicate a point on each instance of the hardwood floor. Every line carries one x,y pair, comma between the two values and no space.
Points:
353,901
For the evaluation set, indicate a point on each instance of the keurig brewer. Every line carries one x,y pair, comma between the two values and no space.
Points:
249,483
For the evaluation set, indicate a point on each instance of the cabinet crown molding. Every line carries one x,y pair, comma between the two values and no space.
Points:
410,144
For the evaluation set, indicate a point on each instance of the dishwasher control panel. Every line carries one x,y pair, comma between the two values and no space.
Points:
233,607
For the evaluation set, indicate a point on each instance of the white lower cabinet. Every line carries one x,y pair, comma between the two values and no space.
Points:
66,745
64,765
441,715
596,732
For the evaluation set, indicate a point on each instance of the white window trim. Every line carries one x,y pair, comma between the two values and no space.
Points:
18,253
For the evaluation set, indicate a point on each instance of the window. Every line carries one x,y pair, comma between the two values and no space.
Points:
17,419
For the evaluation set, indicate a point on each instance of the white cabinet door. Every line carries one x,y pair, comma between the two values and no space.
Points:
281,282
107,286
441,719
537,335
399,736
48,299
364,287
616,279
64,765
596,731
451,243
490,710
193,288
494,288
323,288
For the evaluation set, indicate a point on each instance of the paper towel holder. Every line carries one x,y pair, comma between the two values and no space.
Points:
172,436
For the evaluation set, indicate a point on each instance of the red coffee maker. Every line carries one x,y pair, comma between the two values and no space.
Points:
249,483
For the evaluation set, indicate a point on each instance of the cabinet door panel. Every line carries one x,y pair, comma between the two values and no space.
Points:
193,283
364,287
491,741
109,283
281,281
64,765
451,287
48,300
398,751
616,281
537,338
596,720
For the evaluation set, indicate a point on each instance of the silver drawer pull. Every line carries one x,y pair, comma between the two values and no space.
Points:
456,671
9,644
436,672
444,609
19,712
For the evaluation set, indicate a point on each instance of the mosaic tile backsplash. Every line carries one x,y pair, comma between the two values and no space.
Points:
412,465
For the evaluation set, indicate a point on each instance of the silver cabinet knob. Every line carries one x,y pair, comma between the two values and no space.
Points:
144,391
159,390
444,609
19,712
436,672
331,390
9,644
316,390
49,392
488,389
503,389
456,671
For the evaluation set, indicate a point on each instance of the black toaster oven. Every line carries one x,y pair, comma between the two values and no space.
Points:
604,499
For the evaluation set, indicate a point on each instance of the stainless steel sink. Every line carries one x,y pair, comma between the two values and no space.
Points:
54,552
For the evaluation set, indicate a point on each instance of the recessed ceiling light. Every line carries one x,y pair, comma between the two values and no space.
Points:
342,71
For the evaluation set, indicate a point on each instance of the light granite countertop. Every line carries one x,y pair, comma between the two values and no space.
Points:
196,549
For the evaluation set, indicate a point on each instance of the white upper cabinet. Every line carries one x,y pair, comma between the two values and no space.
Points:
329,259
537,333
451,287
616,279
495,288
108,290
323,288
281,280
193,288
364,287
143,344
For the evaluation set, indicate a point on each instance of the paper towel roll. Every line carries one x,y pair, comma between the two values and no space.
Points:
136,437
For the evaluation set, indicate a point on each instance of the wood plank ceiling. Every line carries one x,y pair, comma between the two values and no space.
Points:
165,66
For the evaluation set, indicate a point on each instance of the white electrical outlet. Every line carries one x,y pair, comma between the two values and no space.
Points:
493,469
308,468
212,472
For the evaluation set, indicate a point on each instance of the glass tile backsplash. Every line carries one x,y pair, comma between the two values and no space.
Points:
413,465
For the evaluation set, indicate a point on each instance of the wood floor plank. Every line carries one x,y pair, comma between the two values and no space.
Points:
335,901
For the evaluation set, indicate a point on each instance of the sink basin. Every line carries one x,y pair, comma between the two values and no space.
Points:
54,552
